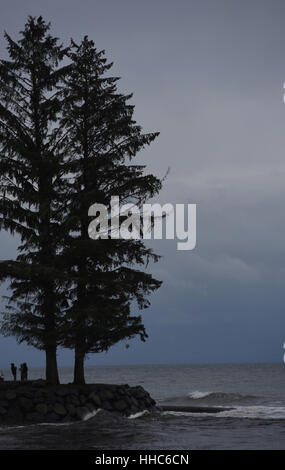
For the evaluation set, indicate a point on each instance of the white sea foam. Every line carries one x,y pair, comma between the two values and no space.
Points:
196,394
249,412
88,416
139,414
4,428
91,414
52,424
186,414
256,412
220,396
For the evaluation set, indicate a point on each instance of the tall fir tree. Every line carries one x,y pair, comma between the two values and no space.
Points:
32,186
103,139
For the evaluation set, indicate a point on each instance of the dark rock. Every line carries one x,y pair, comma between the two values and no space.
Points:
82,399
82,412
39,383
95,399
26,404
120,405
52,418
22,390
62,392
106,405
135,401
60,400
140,394
11,395
27,394
69,399
128,400
50,399
74,400
90,407
42,408
67,419
71,409
43,403
38,400
4,404
34,417
14,415
108,395
133,410
39,395
59,409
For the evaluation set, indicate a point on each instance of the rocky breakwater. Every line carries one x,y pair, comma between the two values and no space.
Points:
36,402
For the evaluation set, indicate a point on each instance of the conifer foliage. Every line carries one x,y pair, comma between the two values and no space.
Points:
67,140
103,139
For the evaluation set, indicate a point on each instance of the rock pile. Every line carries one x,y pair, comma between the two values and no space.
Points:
36,402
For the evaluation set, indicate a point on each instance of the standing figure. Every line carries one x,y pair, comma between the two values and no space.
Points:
25,371
22,372
14,371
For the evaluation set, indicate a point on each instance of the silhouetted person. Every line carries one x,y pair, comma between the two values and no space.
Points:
24,372
14,371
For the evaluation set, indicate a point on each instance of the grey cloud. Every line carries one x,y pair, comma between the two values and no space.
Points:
209,76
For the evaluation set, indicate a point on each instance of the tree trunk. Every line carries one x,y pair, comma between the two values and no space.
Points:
51,366
79,367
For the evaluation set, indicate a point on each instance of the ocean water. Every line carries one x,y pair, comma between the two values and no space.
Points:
255,391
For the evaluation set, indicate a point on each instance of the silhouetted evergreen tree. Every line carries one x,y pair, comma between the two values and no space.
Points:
103,139
32,189
66,134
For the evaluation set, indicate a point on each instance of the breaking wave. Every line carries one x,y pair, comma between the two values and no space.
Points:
223,396
241,412
210,397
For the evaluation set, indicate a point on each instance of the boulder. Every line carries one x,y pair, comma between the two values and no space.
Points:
14,415
62,392
26,394
108,395
11,395
106,405
50,399
71,409
133,410
26,404
134,401
82,399
34,417
81,412
95,399
52,418
4,403
74,400
120,405
40,383
42,408
59,409
90,407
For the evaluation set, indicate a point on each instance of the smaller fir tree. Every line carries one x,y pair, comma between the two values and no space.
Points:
103,139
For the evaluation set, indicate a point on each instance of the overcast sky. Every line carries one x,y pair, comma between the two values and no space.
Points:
207,74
